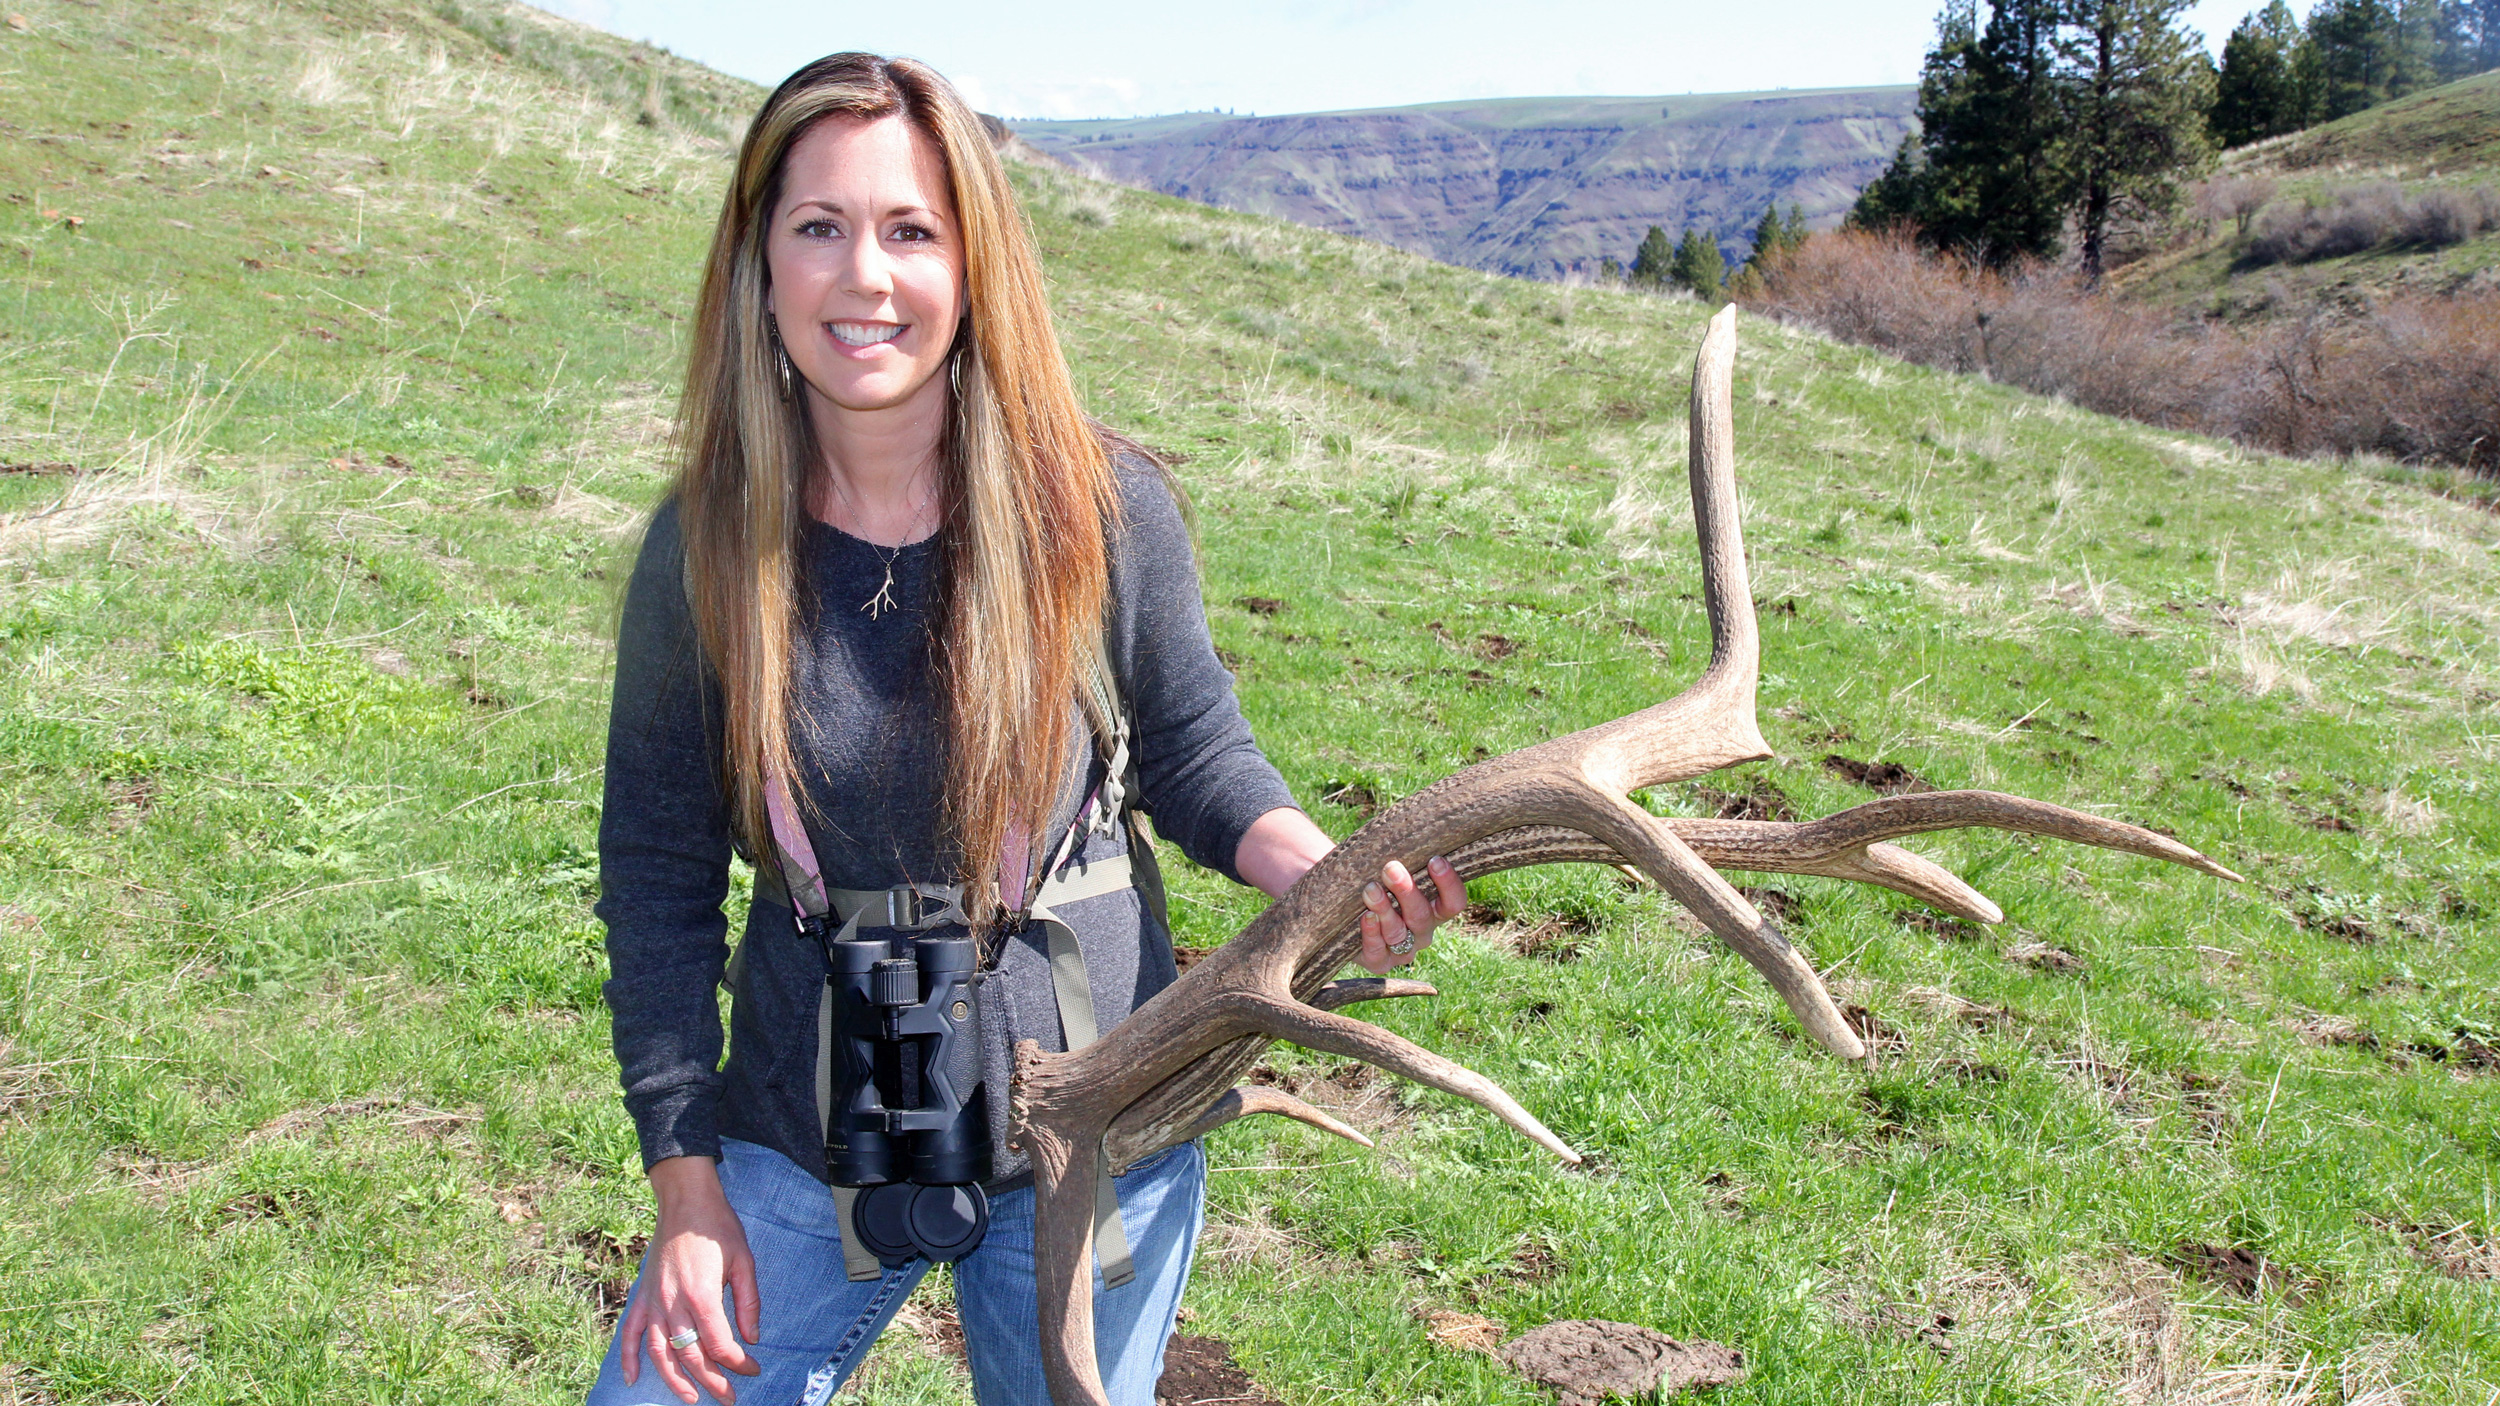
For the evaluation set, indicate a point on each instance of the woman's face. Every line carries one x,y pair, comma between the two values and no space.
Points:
867,265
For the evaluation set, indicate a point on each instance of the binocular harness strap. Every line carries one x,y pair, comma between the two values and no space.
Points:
920,907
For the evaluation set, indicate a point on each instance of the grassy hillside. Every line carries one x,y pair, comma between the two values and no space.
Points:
2444,140
336,372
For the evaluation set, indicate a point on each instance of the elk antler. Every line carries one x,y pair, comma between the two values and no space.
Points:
1168,1072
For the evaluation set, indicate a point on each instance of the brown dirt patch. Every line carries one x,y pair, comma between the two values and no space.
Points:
1494,648
2241,1270
607,1268
2455,1251
1460,1332
1587,1360
1755,799
1200,1371
1261,605
2043,957
1878,1036
1907,1322
26,1089
1778,905
1353,795
1886,778
1352,1091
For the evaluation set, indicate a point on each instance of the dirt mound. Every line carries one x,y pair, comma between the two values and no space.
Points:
1197,1369
1889,778
1586,1360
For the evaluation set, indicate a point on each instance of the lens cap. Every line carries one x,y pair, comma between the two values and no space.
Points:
947,1222
883,1218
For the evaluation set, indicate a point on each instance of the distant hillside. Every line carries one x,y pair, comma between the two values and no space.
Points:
1539,187
2403,197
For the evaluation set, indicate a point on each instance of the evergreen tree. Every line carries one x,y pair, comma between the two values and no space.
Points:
2136,86
2257,95
1698,265
1987,175
1653,261
2471,43
1775,234
1898,196
2365,52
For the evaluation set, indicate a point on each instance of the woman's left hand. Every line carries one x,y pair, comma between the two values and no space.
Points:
1399,916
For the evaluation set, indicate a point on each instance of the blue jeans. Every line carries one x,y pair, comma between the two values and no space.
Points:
817,1324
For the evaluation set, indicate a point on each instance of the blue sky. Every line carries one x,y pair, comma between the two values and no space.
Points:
1120,58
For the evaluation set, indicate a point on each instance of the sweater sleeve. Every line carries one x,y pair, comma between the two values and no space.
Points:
1204,778
664,862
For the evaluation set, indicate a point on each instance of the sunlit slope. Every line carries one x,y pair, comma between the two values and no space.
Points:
2443,141
357,342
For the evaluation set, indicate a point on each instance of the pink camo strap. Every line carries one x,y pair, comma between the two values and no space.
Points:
1015,860
798,857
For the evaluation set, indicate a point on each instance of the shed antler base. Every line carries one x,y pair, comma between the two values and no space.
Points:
1168,1072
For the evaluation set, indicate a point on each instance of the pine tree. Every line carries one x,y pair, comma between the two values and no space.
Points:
1698,265
1653,261
1987,175
2257,95
2473,37
2136,86
1899,195
2368,51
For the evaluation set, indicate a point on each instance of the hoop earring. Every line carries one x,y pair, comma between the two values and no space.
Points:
781,357
955,375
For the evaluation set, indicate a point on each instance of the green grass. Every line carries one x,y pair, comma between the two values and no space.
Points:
305,1094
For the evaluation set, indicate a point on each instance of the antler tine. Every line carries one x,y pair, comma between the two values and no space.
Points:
1888,865
1369,988
1248,1100
1355,1039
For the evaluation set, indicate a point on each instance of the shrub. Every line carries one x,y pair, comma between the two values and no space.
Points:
2416,378
2357,218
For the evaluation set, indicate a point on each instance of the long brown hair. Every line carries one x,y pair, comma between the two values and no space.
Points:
1025,488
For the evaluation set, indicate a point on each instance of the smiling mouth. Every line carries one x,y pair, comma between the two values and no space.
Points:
863,334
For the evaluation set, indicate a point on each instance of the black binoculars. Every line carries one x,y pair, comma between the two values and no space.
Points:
910,1123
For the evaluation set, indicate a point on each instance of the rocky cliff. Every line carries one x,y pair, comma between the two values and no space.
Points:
1540,187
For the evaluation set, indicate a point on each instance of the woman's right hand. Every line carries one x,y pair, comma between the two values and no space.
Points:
698,1247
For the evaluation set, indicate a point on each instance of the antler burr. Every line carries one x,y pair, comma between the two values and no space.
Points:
1168,1072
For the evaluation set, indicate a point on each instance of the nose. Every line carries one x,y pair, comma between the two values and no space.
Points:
867,271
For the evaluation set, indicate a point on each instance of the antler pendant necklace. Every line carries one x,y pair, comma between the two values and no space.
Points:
883,600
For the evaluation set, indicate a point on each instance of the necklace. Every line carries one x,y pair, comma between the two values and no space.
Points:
877,605
883,601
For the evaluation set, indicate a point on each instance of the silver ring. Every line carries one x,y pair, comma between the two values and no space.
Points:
684,1338
1403,945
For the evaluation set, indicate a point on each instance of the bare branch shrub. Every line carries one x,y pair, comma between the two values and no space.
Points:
2417,378
2234,198
2357,218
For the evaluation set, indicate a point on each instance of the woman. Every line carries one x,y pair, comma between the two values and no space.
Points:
899,588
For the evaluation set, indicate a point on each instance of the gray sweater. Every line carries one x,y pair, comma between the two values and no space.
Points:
870,750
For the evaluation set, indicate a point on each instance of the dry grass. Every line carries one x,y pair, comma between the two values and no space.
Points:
2415,378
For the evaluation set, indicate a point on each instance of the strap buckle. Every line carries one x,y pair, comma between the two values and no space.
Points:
916,907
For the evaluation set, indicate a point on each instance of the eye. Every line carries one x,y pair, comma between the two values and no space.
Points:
914,234
816,229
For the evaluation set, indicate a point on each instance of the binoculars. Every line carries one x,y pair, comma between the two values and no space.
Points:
910,1122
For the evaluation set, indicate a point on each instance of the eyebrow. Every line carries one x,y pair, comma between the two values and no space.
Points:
831,208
